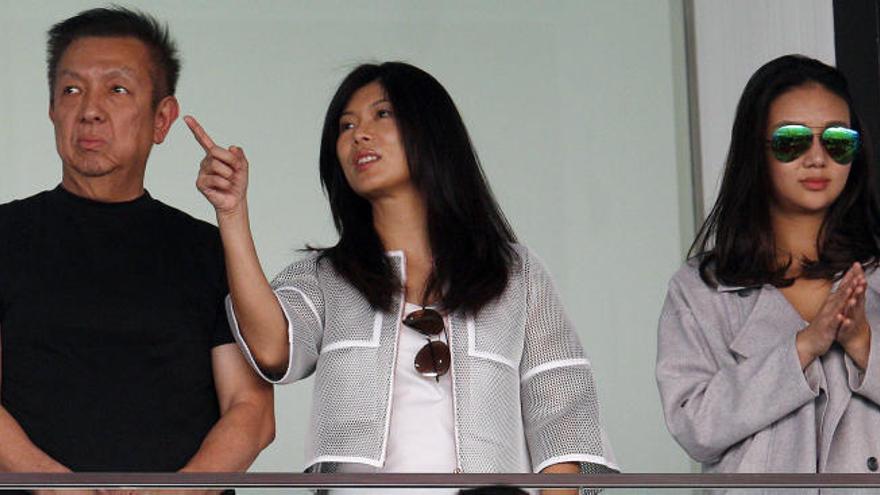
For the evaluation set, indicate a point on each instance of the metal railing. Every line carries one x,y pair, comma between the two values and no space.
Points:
322,481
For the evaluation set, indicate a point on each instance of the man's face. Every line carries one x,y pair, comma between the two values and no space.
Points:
102,110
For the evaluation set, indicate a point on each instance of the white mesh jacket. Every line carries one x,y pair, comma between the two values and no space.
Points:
518,372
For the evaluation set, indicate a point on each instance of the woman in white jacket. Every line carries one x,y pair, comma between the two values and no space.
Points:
438,344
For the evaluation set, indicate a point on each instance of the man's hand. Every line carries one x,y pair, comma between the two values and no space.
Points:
223,173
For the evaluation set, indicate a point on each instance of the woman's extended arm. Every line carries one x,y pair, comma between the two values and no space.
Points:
222,179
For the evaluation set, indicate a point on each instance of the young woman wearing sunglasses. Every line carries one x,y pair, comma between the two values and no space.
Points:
767,352
438,344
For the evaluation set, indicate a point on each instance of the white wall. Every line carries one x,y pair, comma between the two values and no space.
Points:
733,39
578,110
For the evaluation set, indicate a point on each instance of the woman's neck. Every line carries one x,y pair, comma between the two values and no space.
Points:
796,236
401,221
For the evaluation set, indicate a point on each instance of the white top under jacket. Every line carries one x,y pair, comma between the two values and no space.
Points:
517,371
422,430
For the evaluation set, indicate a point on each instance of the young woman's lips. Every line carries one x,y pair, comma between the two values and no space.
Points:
363,161
815,184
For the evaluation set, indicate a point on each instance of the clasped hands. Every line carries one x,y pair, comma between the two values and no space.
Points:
841,319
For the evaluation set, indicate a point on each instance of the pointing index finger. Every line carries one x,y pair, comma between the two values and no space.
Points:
199,133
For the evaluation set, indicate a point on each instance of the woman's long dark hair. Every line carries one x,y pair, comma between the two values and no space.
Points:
735,245
469,235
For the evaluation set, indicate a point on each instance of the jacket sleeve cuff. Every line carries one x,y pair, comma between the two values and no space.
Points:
866,382
812,373
276,379
592,461
810,377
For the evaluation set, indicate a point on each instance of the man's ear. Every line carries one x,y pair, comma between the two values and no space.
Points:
166,113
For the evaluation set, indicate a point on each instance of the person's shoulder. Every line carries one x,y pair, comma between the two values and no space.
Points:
688,279
179,219
311,260
688,274
23,208
23,203
310,264
529,262
530,266
523,257
307,259
688,289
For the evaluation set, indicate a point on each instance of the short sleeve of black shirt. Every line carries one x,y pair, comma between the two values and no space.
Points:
108,317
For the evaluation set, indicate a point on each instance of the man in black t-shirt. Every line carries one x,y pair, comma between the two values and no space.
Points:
115,352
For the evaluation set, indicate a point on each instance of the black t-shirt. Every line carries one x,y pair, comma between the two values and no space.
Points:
108,315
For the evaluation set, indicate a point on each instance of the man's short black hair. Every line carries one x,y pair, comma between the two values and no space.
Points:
122,22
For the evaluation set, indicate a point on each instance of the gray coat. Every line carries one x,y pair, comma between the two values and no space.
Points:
735,397
523,390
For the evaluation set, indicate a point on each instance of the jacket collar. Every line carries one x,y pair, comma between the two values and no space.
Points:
873,278
734,288
398,262
770,310
396,254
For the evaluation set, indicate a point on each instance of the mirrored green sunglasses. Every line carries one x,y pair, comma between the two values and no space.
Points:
791,141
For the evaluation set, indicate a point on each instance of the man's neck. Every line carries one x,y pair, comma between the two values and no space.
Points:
104,189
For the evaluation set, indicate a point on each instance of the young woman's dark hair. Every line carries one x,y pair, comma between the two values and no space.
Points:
469,235
735,245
